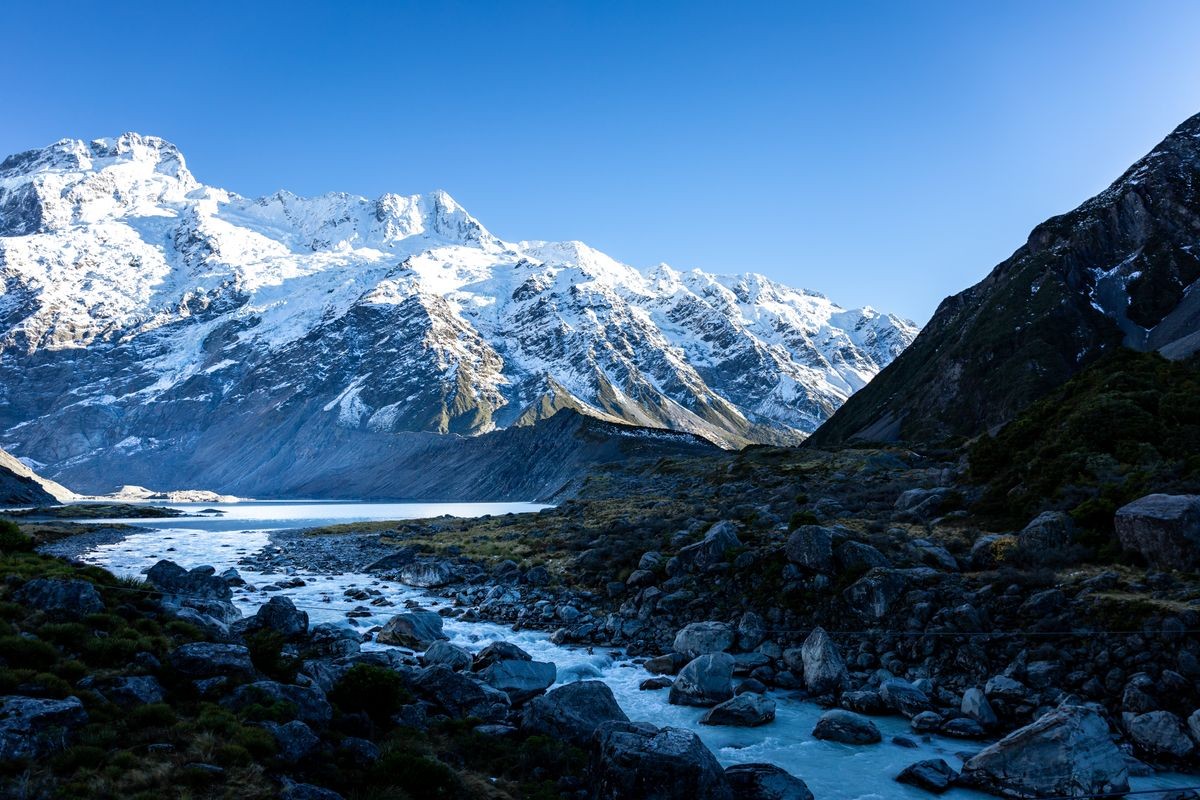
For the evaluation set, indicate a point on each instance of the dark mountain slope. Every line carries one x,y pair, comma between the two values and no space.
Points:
1117,270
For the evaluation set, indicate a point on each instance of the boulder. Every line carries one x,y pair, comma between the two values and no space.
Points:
453,656
520,680
211,659
992,550
824,669
921,505
860,556
700,638
1163,528
865,701
902,696
305,703
31,727
747,710
134,690
499,651
58,596
637,761
200,589
294,740
459,695
1067,751
976,706
934,775
331,640
705,681
1048,536
573,712
839,725
872,596
810,547
307,791
428,574
414,629
765,782
1160,735
279,614
715,548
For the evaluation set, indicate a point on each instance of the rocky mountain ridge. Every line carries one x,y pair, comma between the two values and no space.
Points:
183,318
1120,270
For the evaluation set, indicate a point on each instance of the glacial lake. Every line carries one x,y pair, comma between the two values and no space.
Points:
832,771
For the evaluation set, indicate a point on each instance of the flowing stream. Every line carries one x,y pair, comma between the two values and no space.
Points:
832,771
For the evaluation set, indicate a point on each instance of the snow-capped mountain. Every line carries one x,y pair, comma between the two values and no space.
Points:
144,312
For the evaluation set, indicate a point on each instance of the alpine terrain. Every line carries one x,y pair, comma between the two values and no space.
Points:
156,330
1119,270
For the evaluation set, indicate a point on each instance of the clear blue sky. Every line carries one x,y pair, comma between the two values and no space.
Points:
882,153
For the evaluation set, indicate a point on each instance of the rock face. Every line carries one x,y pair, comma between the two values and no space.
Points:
704,681
520,680
69,596
573,712
700,638
637,761
846,727
747,710
765,782
21,486
1117,270
415,629
31,727
824,669
185,345
1163,528
1068,751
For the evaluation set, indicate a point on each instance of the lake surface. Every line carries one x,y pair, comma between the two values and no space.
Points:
832,771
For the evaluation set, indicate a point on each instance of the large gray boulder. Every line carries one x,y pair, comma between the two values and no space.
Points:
1047,536
1160,735
1163,528
824,669
715,548
212,660
453,656
428,574
520,680
872,596
60,596
499,651
459,695
413,629
811,548
32,726
933,775
1068,751
199,589
846,727
305,703
700,638
332,640
573,712
747,710
765,782
279,614
704,681
294,740
975,705
637,761
904,697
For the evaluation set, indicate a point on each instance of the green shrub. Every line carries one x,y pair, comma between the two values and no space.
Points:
377,691
22,651
417,775
12,539
152,715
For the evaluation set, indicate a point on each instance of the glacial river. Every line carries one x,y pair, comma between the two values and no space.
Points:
832,771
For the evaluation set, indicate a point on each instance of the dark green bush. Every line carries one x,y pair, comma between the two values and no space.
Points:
12,540
376,691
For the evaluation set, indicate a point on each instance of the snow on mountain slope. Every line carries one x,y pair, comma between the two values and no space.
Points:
143,311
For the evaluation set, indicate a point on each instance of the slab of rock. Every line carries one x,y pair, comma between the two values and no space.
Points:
428,574
872,596
934,775
976,706
747,710
414,629
212,659
824,669
280,614
499,651
294,740
453,656
306,703
902,696
637,761
846,727
57,596
810,547
199,589
573,712
715,548
520,680
459,695
699,638
1160,734
32,726
706,681
1047,536
765,782
1067,751
1163,528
